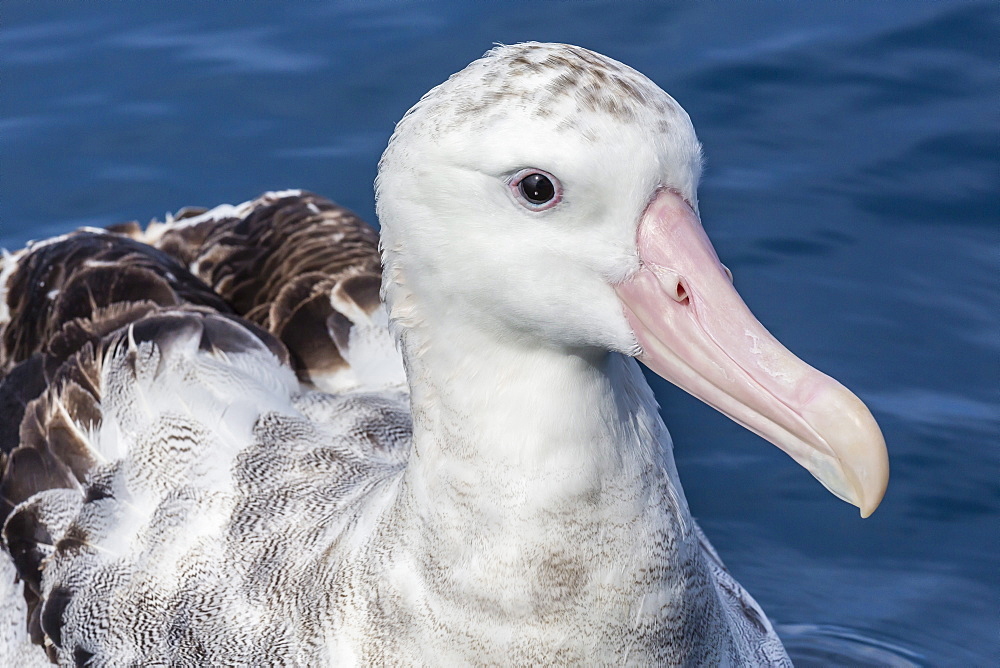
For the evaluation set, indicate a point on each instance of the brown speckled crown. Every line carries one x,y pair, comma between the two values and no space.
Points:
550,81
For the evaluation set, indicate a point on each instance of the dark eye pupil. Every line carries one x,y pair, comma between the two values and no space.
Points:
537,188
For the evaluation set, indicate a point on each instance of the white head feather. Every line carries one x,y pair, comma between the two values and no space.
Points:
607,132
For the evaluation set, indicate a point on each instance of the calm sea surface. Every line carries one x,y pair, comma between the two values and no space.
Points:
853,187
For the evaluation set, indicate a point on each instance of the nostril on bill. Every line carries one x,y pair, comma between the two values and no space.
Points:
680,294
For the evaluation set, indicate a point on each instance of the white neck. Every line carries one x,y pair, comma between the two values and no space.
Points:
515,412
540,500
522,449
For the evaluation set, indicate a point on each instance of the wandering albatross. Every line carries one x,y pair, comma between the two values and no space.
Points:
213,456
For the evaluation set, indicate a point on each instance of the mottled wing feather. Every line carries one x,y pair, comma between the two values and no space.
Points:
136,404
72,276
747,620
62,299
303,268
203,509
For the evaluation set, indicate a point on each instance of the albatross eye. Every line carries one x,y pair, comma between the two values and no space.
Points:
536,189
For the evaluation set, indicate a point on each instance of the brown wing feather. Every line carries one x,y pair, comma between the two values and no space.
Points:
63,298
295,263
72,278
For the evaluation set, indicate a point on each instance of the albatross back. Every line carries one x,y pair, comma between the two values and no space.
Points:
166,461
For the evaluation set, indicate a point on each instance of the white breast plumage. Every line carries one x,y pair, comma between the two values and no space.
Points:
212,454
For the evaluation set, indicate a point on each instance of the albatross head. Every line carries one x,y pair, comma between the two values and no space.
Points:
548,195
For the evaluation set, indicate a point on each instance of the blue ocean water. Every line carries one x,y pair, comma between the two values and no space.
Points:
853,187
